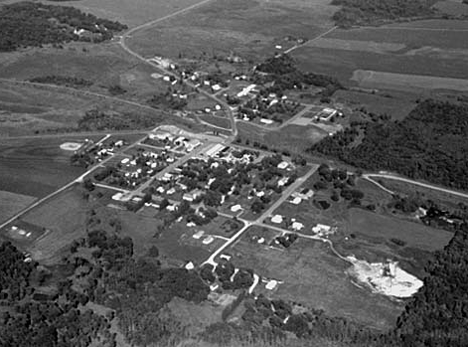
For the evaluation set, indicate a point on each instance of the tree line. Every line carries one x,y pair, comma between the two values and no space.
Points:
429,144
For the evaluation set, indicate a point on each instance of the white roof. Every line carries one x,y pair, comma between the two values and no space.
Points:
266,121
189,266
208,240
261,240
198,235
283,165
297,226
277,219
271,285
236,208
296,201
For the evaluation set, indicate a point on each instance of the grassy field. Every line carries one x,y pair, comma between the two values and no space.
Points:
26,110
312,276
104,65
64,218
11,203
36,167
217,121
397,105
294,138
403,188
130,13
247,28
414,234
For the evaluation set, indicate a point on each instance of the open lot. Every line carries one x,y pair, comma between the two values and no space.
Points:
36,167
313,276
247,28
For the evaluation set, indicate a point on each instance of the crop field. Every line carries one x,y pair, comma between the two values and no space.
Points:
426,48
64,217
11,203
313,276
36,167
420,34
374,79
414,234
247,28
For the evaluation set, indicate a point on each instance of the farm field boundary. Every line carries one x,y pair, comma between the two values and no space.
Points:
373,79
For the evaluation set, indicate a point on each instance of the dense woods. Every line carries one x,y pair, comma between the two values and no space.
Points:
429,144
358,12
283,74
97,120
25,24
136,290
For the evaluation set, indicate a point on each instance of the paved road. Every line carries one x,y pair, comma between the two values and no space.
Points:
170,168
158,67
66,186
306,109
407,180
262,217
310,41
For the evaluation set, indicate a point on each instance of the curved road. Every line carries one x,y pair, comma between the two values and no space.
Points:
407,180
124,45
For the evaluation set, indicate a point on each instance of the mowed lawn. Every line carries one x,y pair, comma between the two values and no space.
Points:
415,235
315,277
36,167
11,203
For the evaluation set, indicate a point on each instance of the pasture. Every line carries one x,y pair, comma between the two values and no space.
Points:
314,277
250,29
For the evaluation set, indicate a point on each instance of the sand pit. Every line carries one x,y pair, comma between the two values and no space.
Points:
385,278
71,146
